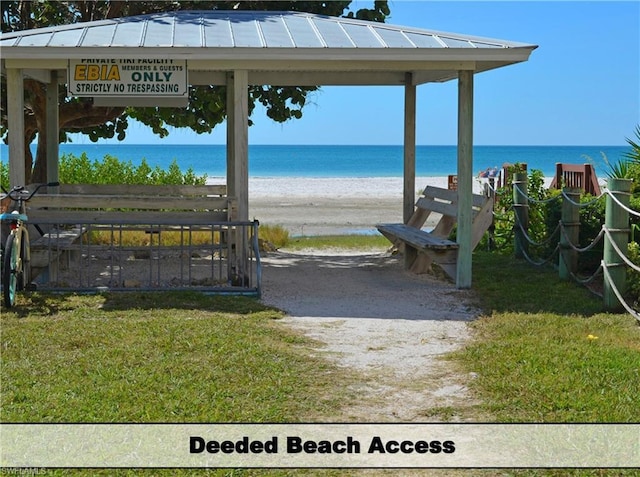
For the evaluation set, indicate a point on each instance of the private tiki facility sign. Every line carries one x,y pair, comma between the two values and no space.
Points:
128,77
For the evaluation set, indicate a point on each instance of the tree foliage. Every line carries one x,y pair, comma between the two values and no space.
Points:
206,107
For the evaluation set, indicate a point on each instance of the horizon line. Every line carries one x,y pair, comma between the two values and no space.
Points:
342,145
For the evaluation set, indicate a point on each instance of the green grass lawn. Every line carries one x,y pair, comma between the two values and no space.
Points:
160,357
354,242
543,351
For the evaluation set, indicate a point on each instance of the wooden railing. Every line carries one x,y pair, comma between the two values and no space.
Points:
576,176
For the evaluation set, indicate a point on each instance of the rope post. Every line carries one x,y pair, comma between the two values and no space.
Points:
521,210
490,191
616,222
570,233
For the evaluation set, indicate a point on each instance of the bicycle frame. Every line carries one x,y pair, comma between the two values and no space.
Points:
15,268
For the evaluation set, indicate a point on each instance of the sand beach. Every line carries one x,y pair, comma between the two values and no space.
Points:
333,205
326,206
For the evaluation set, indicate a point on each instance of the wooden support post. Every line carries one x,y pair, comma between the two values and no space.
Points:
238,164
409,188
521,210
53,130
238,141
231,169
490,191
409,192
616,221
465,178
15,116
570,234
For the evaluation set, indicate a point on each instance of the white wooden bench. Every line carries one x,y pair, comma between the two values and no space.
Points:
422,248
64,215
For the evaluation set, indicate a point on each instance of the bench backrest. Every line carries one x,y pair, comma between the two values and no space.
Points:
576,176
172,204
445,202
137,189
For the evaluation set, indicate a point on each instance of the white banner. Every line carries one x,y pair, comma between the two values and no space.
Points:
457,445
128,77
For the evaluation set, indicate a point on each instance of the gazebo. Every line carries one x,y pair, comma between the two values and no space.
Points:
242,48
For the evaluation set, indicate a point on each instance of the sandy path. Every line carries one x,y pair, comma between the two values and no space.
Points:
372,316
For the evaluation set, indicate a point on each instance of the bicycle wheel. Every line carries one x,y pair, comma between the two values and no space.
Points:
10,272
24,274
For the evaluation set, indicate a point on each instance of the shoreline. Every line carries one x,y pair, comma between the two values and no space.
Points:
325,187
332,206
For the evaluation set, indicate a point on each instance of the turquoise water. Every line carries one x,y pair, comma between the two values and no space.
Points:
346,161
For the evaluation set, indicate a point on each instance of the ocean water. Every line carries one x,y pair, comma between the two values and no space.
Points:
346,161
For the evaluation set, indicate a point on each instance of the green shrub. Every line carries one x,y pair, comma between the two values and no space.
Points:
81,170
591,221
276,235
633,277
544,216
505,218
110,170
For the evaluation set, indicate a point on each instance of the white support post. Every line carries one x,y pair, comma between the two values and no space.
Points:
238,141
15,117
231,183
409,191
53,129
465,178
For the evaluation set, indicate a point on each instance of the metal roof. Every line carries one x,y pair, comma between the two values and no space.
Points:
242,29
284,48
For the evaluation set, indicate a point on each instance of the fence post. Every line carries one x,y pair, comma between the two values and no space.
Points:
616,221
570,233
521,210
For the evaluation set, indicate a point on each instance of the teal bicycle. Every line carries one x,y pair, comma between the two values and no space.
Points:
16,255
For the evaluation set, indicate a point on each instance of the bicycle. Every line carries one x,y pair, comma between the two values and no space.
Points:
16,255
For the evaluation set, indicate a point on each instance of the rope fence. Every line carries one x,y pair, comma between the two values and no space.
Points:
615,233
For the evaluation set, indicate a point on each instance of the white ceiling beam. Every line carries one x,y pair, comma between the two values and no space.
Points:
346,65
35,63
303,78
214,73
436,76
141,101
288,73
44,76
327,78
206,78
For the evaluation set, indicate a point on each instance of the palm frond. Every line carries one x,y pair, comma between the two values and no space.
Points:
634,154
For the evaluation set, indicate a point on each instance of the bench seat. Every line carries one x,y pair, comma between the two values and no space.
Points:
423,249
50,248
417,238
65,237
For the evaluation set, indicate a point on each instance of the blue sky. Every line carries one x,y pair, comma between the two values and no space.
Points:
580,87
